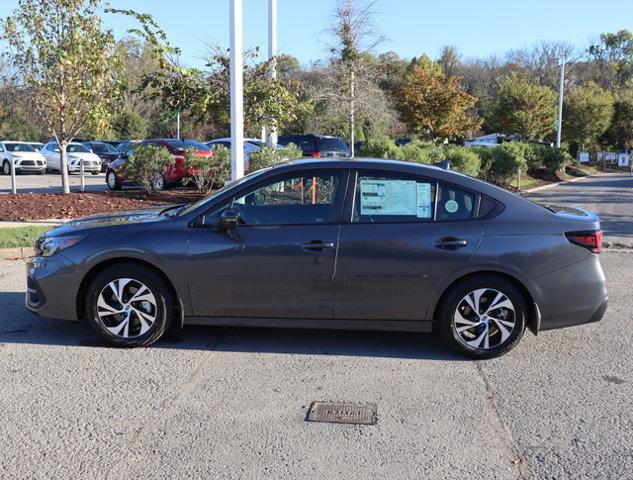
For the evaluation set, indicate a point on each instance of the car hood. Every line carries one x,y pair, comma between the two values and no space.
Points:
27,155
146,215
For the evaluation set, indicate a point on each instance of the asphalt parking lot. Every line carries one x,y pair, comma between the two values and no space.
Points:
231,402
51,183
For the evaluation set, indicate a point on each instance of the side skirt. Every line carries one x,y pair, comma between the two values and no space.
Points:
378,325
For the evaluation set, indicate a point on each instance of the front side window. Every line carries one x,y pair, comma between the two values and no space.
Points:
393,199
291,200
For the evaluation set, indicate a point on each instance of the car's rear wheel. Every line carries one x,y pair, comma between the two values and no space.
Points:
113,181
129,305
483,316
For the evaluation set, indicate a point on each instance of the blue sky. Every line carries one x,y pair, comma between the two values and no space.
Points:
411,27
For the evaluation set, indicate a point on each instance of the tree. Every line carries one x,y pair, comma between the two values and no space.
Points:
524,108
614,56
587,113
449,61
69,64
129,125
434,104
355,35
620,132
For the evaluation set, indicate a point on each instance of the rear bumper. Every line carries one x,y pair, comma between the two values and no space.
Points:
573,295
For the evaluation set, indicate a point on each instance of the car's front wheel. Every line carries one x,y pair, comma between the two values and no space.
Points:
6,168
483,316
129,305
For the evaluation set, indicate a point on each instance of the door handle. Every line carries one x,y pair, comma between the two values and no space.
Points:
450,243
317,246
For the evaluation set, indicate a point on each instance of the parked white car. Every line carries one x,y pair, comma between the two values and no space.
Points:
24,157
76,152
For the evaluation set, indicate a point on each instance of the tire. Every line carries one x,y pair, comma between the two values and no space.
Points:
160,185
112,180
491,333
6,168
135,323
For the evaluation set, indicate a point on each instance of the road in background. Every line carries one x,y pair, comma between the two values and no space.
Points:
231,402
51,183
610,196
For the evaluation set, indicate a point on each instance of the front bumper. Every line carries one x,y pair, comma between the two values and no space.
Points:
52,286
87,169
30,168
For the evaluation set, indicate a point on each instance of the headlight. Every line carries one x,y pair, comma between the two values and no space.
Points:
47,246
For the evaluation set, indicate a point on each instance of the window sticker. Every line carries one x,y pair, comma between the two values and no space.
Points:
395,197
451,206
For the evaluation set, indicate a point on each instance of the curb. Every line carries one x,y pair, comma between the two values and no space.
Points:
18,253
552,185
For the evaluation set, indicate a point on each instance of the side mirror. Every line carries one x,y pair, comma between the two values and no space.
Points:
228,220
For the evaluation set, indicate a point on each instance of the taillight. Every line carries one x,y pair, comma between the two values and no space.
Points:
592,241
316,155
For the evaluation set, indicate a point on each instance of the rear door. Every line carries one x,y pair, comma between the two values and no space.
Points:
401,236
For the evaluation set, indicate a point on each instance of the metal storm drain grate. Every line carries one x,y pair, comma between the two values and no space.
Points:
342,413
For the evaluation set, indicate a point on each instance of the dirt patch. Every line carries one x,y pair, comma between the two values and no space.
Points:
42,206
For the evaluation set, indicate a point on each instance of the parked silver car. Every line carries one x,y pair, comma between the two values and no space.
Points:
23,156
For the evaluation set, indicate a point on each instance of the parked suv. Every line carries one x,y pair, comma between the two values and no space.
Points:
115,176
105,151
317,145
75,153
24,157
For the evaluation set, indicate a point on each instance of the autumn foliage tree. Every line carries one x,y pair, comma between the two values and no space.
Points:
68,63
432,103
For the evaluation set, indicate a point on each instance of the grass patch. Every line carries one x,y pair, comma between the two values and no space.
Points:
21,236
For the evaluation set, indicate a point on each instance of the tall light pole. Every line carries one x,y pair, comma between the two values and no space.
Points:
272,52
560,103
237,91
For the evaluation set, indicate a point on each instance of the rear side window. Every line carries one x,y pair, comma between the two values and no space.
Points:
393,199
454,204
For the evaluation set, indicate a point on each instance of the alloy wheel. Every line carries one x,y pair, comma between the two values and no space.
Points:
7,168
484,319
111,180
126,308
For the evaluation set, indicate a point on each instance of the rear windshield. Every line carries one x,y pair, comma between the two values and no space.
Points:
184,144
333,143
19,147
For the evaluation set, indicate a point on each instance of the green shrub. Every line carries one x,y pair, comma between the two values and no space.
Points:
380,147
555,159
419,152
463,159
268,156
201,170
507,160
146,166
222,165
486,160
534,156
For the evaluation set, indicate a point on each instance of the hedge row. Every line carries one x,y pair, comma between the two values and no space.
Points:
498,164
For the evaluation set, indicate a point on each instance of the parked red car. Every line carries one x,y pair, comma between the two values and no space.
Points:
115,174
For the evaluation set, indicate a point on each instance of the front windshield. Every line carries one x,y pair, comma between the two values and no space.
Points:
103,148
209,198
77,148
19,147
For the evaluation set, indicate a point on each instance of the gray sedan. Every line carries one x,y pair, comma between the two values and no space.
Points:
347,244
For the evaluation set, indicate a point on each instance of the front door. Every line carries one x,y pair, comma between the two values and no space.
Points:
279,261
406,235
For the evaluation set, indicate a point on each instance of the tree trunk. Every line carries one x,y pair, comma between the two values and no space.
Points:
63,165
352,112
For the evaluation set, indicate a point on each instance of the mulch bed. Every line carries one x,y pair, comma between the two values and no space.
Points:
44,206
